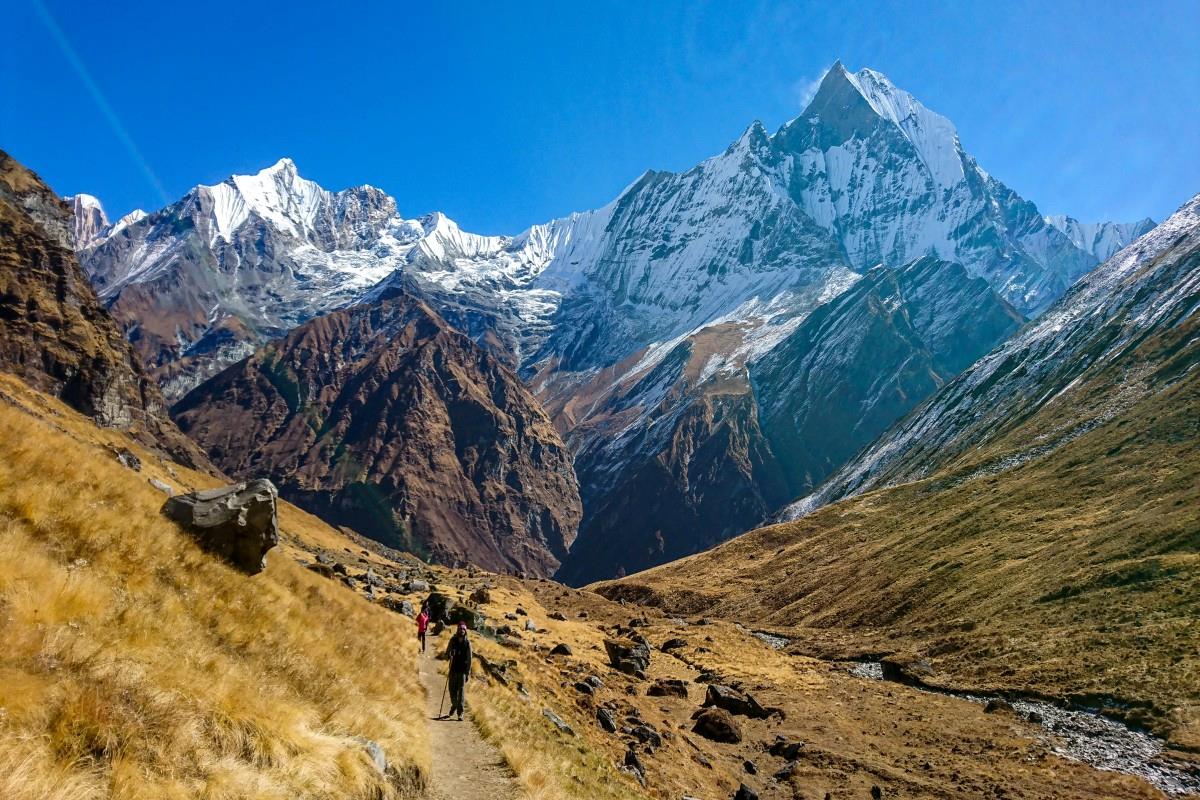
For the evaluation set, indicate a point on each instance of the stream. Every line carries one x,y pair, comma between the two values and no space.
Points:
1079,735
1073,733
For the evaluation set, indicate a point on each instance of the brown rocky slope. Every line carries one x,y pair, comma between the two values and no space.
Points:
54,333
384,418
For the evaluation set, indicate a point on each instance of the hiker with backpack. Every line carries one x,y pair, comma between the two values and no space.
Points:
458,654
422,625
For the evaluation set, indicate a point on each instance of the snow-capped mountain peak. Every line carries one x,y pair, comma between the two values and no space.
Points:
848,101
90,220
276,194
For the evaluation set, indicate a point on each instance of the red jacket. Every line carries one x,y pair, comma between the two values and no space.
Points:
422,622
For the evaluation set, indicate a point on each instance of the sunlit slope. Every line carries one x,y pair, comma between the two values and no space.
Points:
136,666
1074,573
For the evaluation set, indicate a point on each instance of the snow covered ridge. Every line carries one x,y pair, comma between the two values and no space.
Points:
866,175
1150,285
1101,239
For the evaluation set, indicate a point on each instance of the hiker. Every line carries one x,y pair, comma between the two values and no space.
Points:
422,625
458,652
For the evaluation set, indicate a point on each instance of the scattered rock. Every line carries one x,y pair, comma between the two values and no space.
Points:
378,757
511,617
557,722
584,688
522,612
324,570
165,488
786,749
128,459
750,767
496,669
416,586
786,773
237,522
583,615
561,649
647,735
633,762
744,792
594,680
480,596
628,657
530,625
734,701
717,724
558,615
1035,718
605,718
371,578
672,644
876,793
340,569
668,687
404,607
325,558
995,705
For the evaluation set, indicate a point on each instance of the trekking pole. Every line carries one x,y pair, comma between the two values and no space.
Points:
442,704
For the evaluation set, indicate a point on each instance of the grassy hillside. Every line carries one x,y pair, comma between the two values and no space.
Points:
136,666
1072,573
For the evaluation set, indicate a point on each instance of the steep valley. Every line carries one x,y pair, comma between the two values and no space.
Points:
383,418
668,332
1041,539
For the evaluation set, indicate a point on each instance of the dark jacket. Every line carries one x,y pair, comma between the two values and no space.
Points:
458,652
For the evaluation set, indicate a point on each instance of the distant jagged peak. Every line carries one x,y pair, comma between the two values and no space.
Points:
1101,239
90,221
850,103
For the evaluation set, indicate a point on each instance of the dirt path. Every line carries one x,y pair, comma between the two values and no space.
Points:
465,767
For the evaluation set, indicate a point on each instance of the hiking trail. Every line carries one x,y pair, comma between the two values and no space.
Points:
465,766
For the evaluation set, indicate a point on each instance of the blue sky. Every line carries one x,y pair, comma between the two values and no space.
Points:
503,115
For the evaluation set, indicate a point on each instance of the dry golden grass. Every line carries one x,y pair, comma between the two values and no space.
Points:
549,765
136,666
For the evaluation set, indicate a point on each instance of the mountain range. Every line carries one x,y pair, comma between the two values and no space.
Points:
691,341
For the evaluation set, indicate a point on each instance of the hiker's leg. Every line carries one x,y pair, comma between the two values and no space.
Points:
456,693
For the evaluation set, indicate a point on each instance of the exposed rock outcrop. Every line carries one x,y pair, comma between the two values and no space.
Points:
383,418
626,656
55,334
237,523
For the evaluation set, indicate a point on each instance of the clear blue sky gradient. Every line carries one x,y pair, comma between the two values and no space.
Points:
503,115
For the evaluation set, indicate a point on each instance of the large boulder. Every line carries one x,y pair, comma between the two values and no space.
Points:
734,702
237,522
717,724
629,657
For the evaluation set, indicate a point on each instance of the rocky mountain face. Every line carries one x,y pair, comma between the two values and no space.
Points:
384,418
1094,338
640,325
694,445
1101,239
866,358
54,333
